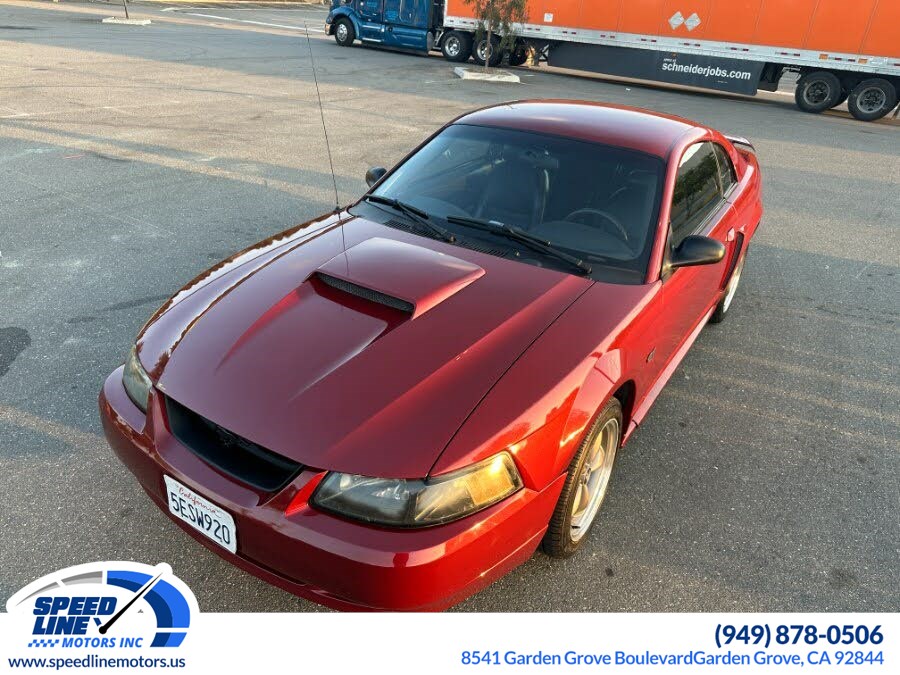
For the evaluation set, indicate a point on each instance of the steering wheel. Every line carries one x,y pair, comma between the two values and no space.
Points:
605,217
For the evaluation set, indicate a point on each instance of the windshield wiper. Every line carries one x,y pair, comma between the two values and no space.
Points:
415,214
523,237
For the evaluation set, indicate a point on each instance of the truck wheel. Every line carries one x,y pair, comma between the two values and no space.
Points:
457,46
818,91
872,99
482,51
344,34
519,55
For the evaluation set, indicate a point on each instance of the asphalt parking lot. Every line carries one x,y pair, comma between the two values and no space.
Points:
767,476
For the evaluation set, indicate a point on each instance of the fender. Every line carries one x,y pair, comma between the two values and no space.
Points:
344,11
541,407
604,379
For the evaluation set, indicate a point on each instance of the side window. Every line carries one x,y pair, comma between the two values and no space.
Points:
392,11
727,175
696,191
403,12
409,12
370,7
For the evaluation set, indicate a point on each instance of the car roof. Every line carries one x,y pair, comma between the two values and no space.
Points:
607,123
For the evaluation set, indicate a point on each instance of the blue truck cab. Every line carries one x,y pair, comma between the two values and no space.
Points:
404,24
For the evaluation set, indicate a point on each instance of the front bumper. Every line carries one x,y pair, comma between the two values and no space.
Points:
321,557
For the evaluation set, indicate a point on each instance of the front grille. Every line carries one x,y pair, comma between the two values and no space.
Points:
229,453
367,293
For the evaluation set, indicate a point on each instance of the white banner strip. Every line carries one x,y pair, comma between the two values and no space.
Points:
496,643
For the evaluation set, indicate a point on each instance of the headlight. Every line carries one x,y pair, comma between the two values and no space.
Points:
137,382
419,503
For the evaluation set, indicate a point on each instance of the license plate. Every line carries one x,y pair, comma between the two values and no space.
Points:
201,514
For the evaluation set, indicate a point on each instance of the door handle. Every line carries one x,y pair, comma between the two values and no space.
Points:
730,235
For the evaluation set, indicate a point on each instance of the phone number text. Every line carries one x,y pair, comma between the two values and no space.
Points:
765,635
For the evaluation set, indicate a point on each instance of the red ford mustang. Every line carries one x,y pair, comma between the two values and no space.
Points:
391,406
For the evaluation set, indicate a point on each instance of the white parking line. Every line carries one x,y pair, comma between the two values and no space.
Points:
296,10
67,111
257,23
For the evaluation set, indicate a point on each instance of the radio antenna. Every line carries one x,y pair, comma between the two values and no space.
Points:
312,62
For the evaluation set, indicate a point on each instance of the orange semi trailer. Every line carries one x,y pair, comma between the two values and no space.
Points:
842,49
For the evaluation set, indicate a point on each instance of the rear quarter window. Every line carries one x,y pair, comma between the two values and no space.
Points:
727,174
697,192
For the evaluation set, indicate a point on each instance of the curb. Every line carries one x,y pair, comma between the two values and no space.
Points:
492,76
126,22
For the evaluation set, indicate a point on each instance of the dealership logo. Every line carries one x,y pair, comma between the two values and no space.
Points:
105,605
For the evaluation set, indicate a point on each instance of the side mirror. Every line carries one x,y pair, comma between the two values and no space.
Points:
374,175
697,250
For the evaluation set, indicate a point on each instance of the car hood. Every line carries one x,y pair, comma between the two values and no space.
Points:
352,346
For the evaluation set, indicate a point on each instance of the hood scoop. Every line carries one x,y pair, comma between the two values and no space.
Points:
369,294
408,278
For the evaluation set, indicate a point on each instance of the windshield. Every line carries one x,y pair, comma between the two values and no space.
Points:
596,202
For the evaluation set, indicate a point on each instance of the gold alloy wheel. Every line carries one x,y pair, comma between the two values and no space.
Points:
594,479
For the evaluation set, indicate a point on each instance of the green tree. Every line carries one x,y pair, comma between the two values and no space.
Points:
496,18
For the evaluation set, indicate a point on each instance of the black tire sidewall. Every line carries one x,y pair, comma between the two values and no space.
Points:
557,540
825,77
465,47
719,314
496,55
890,99
351,32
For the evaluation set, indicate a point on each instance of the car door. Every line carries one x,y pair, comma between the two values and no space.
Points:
371,20
698,207
741,210
406,23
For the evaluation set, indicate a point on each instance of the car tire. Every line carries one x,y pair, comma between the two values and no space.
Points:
457,46
578,505
718,315
817,91
872,99
344,33
478,52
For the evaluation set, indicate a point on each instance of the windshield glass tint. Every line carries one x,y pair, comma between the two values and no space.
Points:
594,201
